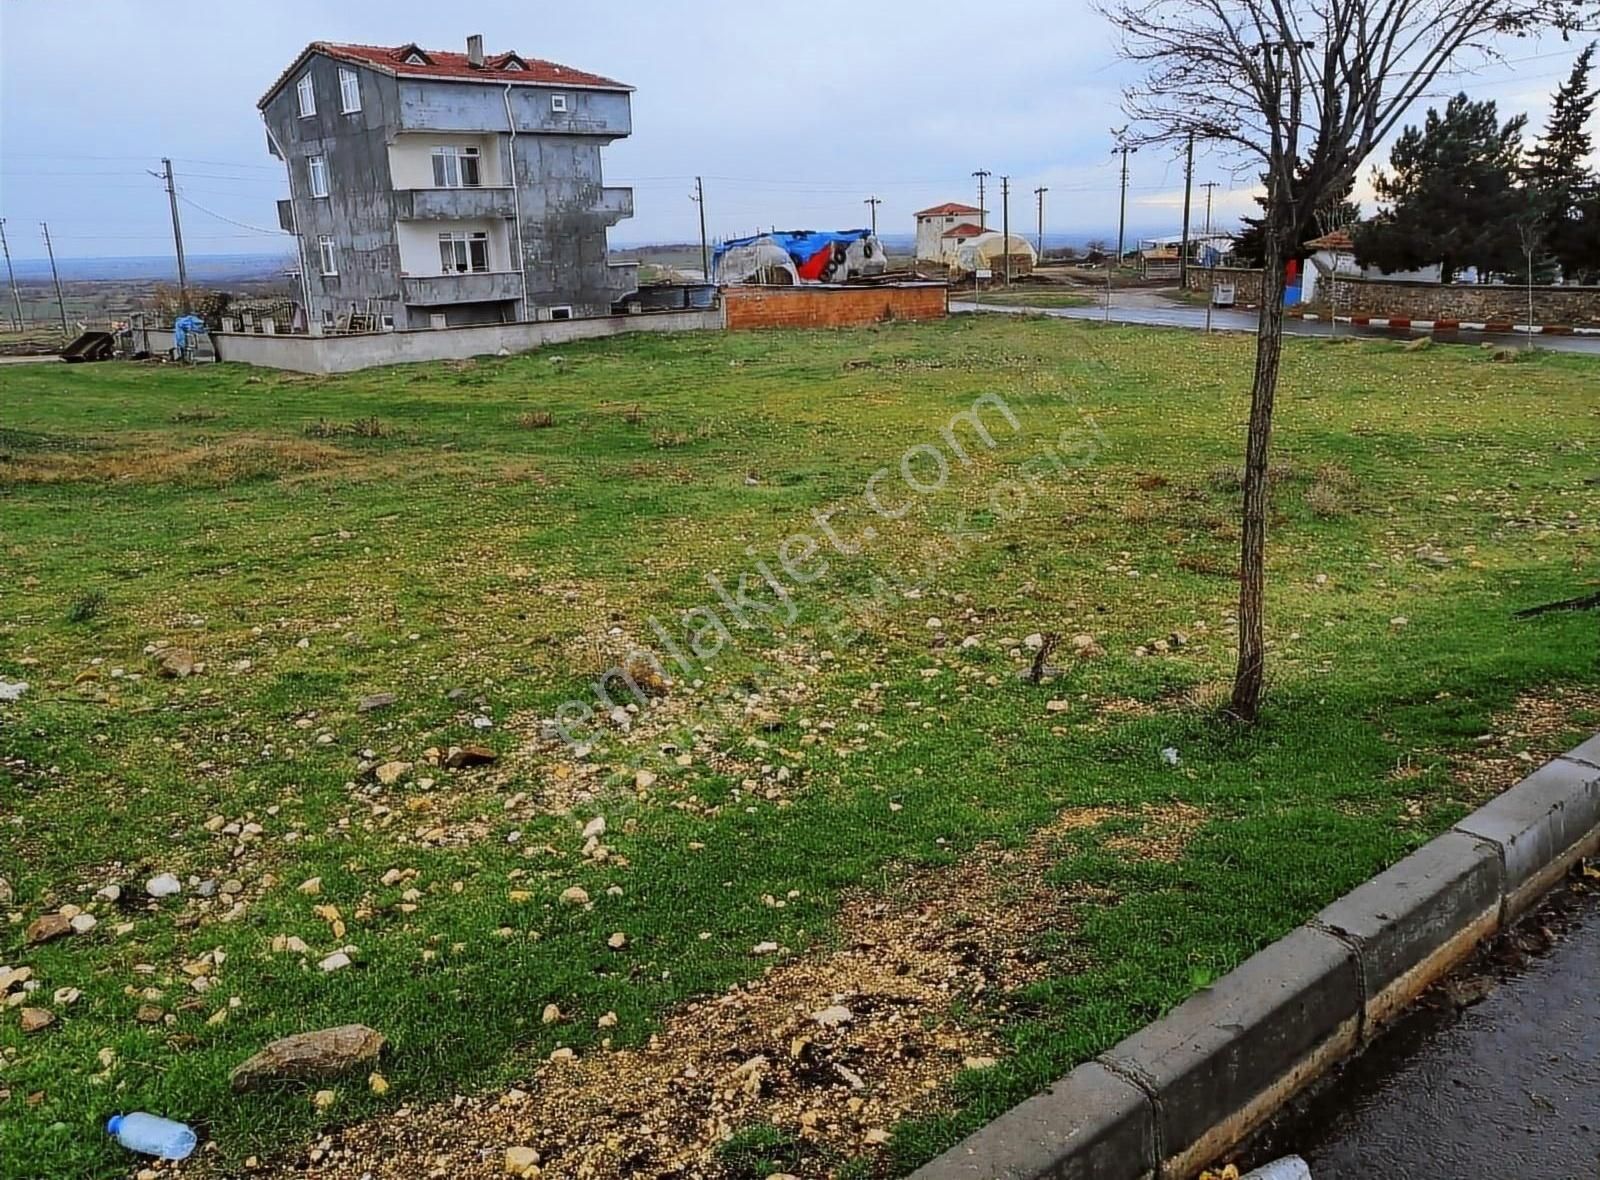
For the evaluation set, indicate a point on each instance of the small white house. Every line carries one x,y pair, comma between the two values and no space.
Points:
933,224
1333,255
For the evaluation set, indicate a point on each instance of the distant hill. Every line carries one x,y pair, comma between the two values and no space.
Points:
203,268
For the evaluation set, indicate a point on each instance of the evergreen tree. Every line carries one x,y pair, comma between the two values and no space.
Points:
1561,186
1452,195
1337,212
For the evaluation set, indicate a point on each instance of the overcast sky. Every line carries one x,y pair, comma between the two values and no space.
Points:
794,112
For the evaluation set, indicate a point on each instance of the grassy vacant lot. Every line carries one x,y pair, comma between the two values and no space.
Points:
857,803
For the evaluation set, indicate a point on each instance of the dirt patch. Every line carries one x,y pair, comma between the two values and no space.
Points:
824,1052
212,464
1521,739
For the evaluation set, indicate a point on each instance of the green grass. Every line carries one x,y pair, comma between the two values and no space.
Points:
405,530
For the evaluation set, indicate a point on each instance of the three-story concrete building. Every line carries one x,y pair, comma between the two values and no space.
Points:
435,189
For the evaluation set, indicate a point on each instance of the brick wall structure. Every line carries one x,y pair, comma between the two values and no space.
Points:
832,306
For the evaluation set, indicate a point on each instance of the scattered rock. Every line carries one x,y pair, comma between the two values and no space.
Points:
176,663
550,1015
378,1084
378,700
391,772
313,1056
6,895
1057,706
617,941
335,962
833,1016
979,1063
1086,647
462,757
643,780
67,996
83,923
609,1020
311,886
575,895
521,1161
764,948
46,927
1169,755
595,828
34,1019
1419,344
323,1099
163,886
149,1014
12,690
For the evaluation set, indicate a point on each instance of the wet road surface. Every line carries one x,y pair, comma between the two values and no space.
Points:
1509,1087
1146,309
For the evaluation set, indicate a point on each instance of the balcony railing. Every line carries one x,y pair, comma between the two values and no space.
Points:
482,287
450,204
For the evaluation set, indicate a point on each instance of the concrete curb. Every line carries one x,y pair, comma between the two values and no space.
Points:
1182,1091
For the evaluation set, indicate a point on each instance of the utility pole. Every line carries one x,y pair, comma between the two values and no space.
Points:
61,304
16,299
874,202
1005,224
1040,192
1122,210
1211,256
177,233
699,198
982,174
1188,190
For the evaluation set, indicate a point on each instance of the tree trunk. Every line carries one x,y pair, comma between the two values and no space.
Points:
1250,675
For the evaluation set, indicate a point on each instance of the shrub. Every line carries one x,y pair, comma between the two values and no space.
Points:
536,420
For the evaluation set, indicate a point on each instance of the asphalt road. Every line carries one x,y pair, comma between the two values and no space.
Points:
1508,1087
1145,309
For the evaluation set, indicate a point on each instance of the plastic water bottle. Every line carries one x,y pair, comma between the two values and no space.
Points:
149,1135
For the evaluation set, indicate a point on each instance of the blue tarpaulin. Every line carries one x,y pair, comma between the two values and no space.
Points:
816,254
183,327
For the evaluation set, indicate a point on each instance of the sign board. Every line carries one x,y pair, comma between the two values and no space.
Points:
985,273
1223,294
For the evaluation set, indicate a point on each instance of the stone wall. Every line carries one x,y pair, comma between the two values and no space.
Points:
1246,282
1473,303
833,307
344,354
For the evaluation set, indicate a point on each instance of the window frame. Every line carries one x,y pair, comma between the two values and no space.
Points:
559,104
451,160
327,255
349,83
460,245
317,175
562,311
306,94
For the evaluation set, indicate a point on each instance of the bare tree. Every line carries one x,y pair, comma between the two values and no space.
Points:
1304,90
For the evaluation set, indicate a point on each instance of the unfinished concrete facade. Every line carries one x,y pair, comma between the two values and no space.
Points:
438,189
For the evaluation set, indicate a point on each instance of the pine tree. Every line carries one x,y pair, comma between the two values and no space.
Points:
1561,185
1452,195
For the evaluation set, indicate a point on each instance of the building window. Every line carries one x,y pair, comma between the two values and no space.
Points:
317,169
349,91
561,313
558,103
330,264
386,323
456,167
308,96
460,253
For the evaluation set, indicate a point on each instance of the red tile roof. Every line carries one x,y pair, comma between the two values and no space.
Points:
949,209
965,230
452,66
1338,240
